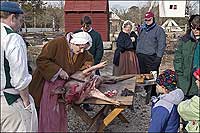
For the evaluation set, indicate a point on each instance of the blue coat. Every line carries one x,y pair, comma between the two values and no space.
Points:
164,114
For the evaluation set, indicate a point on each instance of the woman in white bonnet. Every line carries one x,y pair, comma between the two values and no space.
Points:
125,60
59,58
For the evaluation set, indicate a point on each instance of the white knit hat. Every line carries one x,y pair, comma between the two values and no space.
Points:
81,38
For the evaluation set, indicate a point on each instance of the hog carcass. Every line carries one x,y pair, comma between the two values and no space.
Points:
81,87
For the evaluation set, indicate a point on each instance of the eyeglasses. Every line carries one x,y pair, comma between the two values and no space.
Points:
195,27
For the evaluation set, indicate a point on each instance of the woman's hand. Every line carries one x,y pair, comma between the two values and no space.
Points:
100,65
63,75
93,68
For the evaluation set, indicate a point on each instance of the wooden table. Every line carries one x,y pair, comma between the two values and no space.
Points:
147,85
103,117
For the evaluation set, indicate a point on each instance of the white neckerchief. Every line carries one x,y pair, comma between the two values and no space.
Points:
88,30
3,24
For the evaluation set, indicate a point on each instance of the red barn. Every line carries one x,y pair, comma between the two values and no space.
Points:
98,10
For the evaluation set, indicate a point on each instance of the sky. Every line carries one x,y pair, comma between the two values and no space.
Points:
122,4
116,3
126,3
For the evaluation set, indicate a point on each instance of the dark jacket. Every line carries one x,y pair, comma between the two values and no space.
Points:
183,64
97,46
124,43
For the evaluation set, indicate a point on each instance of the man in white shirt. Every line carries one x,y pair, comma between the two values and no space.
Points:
15,103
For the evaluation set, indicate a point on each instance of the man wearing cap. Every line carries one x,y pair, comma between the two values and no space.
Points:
16,105
151,44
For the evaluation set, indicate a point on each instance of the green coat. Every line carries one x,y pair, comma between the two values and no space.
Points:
97,46
189,111
183,65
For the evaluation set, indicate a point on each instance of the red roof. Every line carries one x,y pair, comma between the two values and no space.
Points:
85,5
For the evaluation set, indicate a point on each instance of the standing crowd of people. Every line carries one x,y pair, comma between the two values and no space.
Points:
26,101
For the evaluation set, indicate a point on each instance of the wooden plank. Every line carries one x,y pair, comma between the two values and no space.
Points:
121,116
119,86
123,101
97,101
110,117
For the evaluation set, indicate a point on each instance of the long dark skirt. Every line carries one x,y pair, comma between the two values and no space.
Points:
128,64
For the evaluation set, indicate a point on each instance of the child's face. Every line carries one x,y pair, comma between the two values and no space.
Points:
159,89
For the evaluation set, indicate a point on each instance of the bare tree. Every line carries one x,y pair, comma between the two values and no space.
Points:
122,13
193,7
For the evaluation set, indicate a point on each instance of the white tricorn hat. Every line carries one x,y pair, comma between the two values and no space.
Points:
81,38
